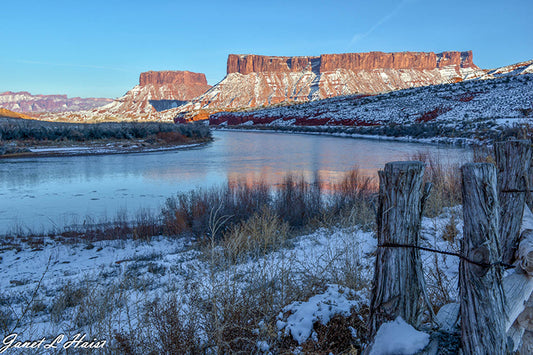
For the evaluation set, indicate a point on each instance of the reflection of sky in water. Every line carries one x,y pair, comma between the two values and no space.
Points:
60,190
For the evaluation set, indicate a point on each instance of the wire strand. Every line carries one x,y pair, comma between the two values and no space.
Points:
398,245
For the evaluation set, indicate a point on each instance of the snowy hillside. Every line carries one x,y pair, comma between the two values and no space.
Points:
467,106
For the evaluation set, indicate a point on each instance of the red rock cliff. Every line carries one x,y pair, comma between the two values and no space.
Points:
462,59
246,64
252,63
172,77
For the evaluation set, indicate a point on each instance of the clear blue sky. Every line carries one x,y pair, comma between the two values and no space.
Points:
98,48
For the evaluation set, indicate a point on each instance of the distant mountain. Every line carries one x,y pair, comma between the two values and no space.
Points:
255,80
27,103
157,91
7,113
499,97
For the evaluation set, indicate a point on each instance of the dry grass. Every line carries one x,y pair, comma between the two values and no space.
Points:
446,183
263,232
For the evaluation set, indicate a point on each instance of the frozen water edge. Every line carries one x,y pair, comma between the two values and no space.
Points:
102,149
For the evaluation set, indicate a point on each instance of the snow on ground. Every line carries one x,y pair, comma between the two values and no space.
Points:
319,308
159,267
138,272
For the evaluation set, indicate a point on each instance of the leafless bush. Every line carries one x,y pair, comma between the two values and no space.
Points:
190,212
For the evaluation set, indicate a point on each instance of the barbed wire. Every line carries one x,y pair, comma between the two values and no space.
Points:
461,256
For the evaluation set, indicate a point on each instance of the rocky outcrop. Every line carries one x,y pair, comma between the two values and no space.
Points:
27,103
157,91
257,80
195,82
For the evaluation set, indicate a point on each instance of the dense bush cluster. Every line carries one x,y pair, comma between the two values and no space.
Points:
213,213
21,130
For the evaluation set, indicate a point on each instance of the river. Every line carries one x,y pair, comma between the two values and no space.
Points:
42,193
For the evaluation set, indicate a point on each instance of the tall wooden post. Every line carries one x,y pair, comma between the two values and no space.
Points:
398,279
481,291
513,160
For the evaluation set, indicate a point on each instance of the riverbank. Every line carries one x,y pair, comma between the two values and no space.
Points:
53,149
425,133
347,133
166,295
31,138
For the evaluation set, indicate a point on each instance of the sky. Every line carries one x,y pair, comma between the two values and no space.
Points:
98,48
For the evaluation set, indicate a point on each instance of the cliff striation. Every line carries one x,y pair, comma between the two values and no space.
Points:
174,77
251,63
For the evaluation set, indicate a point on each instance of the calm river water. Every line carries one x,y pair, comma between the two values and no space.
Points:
41,193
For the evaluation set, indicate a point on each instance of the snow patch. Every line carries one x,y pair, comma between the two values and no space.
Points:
319,308
398,338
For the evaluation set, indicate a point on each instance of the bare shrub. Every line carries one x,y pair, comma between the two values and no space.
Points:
338,335
171,137
173,329
297,202
97,305
7,315
260,234
190,212
450,231
71,295
445,180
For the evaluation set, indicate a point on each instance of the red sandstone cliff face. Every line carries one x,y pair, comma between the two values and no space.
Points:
252,63
246,64
173,87
173,77
157,89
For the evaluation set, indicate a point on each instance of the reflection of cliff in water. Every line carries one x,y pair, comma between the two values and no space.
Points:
326,179
37,191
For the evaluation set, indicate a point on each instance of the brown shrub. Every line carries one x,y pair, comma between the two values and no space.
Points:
171,137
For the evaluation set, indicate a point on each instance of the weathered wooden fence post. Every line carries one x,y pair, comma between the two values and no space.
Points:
398,280
529,196
481,292
513,160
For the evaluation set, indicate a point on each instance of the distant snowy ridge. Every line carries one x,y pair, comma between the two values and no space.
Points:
27,103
